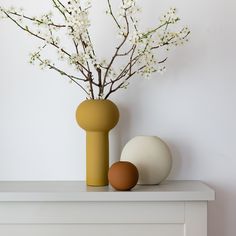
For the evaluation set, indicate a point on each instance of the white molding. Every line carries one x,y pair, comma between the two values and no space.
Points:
93,229
91,212
175,190
196,219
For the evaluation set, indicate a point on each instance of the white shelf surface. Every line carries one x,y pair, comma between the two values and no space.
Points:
40,191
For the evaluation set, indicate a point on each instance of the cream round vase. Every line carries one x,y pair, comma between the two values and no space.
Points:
151,156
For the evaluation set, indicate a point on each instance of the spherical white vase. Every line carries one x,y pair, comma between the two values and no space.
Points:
151,156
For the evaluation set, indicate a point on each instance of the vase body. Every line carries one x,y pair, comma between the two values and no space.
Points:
151,156
123,175
97,118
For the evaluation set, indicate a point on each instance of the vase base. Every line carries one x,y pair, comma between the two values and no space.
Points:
97,185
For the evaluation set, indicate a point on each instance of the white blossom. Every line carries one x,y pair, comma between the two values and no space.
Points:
137,51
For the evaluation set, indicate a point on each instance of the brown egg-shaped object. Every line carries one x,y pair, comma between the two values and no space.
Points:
123,175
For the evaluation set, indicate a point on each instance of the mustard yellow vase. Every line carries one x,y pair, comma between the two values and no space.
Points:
97,118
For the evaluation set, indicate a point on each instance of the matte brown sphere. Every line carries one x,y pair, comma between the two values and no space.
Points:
123,175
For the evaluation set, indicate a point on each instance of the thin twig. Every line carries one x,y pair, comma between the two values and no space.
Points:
117,50
112,14
26,29
58,8
126,53
89,76
71,77
123,82
36,20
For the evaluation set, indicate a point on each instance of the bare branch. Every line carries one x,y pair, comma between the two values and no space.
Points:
71,77
58,7
90,77
61,4
134,24
36,20
112,90
112,14
126,53
117,50
99,71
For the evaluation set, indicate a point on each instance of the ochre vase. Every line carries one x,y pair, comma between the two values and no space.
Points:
97,118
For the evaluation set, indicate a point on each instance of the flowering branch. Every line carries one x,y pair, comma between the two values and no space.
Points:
100,78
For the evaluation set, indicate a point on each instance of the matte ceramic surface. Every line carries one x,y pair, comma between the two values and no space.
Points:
123,175
97,117
151,156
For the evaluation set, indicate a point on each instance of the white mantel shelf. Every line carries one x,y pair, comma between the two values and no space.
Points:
62,208
77,191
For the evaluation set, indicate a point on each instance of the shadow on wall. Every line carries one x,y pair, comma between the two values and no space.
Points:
118,136
218,211
182,157
177,159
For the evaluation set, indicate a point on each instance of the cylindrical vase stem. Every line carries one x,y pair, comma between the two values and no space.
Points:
97,158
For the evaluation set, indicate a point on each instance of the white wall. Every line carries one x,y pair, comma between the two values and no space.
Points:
192,107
